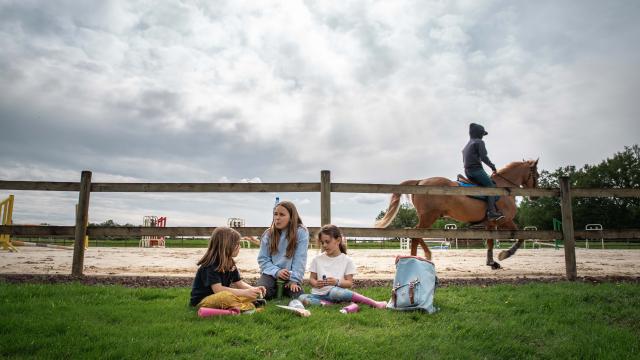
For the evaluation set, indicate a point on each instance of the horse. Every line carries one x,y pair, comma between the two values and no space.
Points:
467,209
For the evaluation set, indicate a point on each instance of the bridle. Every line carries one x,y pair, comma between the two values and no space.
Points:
532,171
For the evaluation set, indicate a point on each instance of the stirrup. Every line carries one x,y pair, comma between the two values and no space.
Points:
494,216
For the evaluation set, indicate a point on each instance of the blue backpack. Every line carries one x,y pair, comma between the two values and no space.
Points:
414,285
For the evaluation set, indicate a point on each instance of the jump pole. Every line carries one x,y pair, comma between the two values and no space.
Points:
6,212
52,246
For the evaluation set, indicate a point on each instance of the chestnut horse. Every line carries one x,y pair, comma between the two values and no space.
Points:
466,209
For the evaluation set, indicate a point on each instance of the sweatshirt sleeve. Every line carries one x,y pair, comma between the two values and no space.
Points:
264,258
299,261
484,156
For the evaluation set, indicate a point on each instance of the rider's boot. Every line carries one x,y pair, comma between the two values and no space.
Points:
492,212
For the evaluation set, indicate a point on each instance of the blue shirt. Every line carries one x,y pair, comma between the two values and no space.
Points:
271,264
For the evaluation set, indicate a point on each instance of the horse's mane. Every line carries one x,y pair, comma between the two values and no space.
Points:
515,164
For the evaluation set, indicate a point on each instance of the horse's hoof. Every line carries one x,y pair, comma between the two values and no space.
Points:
503,255
495,266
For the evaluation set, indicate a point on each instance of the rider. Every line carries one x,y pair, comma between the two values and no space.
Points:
474,154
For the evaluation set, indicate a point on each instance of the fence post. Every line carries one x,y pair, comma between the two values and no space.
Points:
567,228
82,214
325,197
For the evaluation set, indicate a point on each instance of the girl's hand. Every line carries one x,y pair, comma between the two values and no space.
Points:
257,291
284,274
250,293
263,290
331,281
294,287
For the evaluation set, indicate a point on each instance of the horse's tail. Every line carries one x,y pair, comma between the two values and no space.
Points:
394,206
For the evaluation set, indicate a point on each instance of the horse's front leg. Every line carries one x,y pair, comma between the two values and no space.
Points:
494,265
504,254
512,250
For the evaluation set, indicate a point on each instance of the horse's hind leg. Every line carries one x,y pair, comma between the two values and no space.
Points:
425,248
414,246
424,222
494,265
512,250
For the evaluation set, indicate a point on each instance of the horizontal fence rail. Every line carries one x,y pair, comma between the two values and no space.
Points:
439,190
39,185
311,187
205,187
103,231
325,187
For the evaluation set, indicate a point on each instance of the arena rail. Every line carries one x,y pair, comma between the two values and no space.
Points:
325,187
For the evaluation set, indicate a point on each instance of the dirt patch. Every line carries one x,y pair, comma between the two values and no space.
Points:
176,267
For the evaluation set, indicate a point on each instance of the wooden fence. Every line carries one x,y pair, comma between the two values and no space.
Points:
85,187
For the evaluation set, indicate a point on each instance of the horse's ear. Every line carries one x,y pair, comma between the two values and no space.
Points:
537,161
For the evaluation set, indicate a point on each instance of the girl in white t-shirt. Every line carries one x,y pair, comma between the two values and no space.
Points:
332,273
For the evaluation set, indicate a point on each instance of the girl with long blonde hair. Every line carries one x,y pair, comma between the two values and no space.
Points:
217,286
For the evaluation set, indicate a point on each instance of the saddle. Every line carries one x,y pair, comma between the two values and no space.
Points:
463,181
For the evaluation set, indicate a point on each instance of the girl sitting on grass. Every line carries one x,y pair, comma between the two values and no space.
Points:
283,252
332,273
217,288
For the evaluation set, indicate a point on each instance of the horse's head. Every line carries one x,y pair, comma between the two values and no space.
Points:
532,178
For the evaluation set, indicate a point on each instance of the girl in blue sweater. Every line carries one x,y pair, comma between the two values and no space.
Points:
283,252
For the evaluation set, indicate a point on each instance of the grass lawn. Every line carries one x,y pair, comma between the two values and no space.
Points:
559,320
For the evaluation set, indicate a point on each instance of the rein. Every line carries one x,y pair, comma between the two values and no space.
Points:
531,170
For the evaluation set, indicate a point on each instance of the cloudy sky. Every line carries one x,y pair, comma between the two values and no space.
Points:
232,91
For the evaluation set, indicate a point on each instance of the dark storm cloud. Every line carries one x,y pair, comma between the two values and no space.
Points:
374,91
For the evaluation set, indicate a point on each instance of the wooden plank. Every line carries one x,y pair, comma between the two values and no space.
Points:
628,192
82,215
39,185
166,231
102,231
205,187
569,241
308,187
325,197
35,230
439,190
460,234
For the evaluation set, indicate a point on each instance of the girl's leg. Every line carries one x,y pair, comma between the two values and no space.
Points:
207,312
269,282
311,299
227,301
338,294
357,298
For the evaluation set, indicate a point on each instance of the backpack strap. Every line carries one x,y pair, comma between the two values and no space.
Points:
411,293
411,285
394,297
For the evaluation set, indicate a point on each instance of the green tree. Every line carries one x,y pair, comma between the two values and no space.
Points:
620,171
